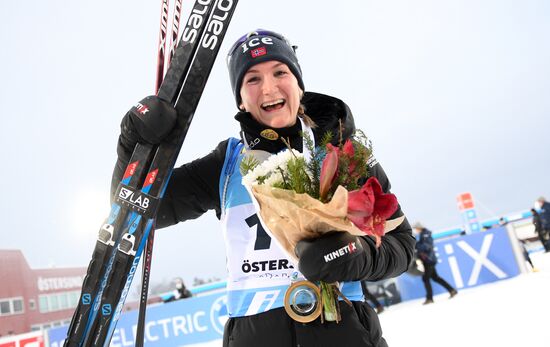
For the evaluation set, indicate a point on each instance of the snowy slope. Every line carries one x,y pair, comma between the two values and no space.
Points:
514,312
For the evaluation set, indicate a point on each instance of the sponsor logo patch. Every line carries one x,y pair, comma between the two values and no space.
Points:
269,134
141,108
106,309
347,249
137,200
86,299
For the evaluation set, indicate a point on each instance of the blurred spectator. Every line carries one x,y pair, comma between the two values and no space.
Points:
370,297
544,218
425,252
526,255
537,224
179,293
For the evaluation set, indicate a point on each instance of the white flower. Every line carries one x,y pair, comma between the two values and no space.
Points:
274,178
270,169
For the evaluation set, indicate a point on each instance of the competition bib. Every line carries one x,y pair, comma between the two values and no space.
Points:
259,272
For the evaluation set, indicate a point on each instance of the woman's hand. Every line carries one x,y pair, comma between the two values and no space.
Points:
338,256
149,121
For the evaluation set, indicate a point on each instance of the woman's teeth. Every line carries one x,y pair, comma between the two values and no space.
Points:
273,105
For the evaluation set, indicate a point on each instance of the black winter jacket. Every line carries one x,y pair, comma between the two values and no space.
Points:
545,216
193,190
425,247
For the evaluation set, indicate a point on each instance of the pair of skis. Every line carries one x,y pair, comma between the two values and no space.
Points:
121,239
161,63
163,43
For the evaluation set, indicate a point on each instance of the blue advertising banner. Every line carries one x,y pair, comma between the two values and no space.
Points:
467,261
178,323
56,336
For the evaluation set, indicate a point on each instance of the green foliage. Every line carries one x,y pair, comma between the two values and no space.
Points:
326,139
248,164
314,165
298,176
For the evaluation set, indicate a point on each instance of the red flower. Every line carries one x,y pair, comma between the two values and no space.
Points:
348,148
369,207
329,169
349,151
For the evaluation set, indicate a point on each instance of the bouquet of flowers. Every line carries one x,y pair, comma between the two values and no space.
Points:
300,197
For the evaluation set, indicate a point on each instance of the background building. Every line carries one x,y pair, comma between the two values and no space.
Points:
34,299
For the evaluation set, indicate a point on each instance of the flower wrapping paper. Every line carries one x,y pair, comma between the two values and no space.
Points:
290,217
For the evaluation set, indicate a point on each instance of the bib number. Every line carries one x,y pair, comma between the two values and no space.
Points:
263,241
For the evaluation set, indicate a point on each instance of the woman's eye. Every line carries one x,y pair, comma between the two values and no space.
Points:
280,73
252,79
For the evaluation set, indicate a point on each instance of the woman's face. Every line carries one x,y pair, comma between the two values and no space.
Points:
270,92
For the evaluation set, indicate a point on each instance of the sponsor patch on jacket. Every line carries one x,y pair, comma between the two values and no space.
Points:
372,161
347,249
269,134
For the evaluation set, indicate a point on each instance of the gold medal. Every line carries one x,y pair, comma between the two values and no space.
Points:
269,134
303,301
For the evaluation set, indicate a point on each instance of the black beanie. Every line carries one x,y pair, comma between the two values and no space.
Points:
256,47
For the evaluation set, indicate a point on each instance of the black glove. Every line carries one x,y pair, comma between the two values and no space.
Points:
149,121
338,256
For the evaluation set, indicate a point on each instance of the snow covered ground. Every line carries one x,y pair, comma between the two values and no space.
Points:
508,313
514,312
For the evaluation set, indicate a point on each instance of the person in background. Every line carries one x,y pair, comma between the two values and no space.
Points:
541,220
370,297
526,255
425,252
181,292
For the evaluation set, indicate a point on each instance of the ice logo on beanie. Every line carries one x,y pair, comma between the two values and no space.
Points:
258,52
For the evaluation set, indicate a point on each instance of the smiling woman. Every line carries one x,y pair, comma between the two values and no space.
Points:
275,112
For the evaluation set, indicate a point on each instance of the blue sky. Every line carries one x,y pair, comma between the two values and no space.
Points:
454,95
